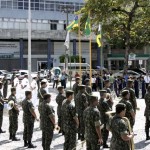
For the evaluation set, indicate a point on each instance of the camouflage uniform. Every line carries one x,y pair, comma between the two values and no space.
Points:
75,89
129,109
59,99
103,108
5,87
132,98
13,117
91,120
81,104
118,127
88,92
69,124
1,110
147,113
47,126
28,119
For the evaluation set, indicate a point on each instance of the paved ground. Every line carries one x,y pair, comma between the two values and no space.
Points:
57,144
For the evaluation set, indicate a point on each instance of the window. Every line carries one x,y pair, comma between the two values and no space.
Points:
54,24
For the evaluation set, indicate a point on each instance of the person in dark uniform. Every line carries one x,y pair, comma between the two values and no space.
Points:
1,108
12,79
136,87
38,80
5,86
143,87
29,117
13,115
75,86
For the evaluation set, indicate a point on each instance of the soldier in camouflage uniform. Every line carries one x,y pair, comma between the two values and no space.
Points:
88,89
147,113
103,107
1,108
75,86
81,103
48,122
119,128
132,98
70,121
29,117
59,99
92,123
13,116
5,86
107,88
129,109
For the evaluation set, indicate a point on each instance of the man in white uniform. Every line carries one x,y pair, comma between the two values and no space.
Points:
34,88
147,80
25,85
17,86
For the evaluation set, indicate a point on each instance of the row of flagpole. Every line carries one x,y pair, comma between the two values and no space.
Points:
87,32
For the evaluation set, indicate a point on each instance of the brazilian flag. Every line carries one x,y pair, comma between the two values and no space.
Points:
87,30
73,24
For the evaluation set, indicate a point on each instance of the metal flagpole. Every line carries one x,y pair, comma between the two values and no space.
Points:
80,52
101,53
90,48
29,40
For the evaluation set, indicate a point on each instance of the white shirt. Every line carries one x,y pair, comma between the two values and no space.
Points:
25,82
93,80
34,85
147,79
16,82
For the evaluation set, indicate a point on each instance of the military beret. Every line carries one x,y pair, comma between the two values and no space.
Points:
60,88
69,92
124,93
103,91
81,87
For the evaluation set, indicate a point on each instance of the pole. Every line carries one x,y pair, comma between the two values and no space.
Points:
101,58
80,52
90,48
29,40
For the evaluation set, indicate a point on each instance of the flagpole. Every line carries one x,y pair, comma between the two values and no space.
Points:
90,48
101,57
80,52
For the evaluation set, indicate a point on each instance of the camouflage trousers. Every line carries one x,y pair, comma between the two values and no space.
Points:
13,124
92,146
70,140
81,129
28,131
105,134
147,125
1,118
47,137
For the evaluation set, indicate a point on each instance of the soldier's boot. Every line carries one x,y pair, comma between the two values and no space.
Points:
147,134
82,137
30,145
105,145
1,131
14,138
10,136
25,143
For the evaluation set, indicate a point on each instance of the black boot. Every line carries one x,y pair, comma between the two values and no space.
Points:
105,145
25,143
1,131
14,138
30,145
147,135
10,136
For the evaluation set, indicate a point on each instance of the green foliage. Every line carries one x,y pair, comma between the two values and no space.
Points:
124,21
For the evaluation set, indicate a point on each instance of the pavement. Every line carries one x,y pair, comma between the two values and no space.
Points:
58,139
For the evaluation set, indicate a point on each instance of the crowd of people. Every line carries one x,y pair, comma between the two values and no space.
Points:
80,113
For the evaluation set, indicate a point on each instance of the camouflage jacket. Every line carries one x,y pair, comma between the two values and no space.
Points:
147,103
75,89
41,93
46,112
91,118
118,127
27,105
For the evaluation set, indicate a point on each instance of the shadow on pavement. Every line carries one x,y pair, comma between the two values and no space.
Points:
20,148
4,142
142,144
59,146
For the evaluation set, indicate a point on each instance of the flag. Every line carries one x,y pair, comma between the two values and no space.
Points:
99,37
67,41
87,30
73,24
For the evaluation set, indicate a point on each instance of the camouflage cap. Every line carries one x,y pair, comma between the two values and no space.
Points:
81,87
130,81
92,98
69,92
124,93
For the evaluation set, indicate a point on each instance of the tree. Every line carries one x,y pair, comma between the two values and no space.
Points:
124,21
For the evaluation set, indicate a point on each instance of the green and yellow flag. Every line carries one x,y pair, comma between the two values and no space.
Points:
73,24
87,30
99,37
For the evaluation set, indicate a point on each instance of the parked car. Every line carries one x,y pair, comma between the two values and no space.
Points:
129,73
140,71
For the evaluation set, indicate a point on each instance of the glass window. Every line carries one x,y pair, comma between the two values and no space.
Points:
36,6
25,5
3,4
20,4
41,6
15,4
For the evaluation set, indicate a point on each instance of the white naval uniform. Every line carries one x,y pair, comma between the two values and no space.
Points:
34,86
17,86
25,82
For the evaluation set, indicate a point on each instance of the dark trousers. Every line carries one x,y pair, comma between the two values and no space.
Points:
105,134
70,140
13,124
5,92
147,126
47,137
63,83
1,118
81,127
55,83
92,145
28,131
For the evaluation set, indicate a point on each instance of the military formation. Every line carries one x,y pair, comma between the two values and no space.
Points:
81,115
